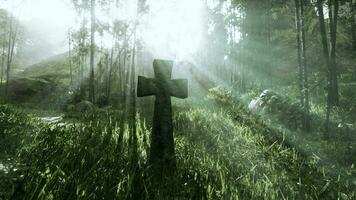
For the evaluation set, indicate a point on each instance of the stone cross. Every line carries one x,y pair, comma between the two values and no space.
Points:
162,153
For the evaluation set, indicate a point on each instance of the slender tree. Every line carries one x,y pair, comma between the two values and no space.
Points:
329,55
269,59
3,56
13,29
333,17
132,105
3,32
70,58
353,29
305,92
92,53
110,74
243,56
303,70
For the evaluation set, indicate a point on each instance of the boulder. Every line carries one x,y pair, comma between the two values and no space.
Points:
84,107
255,105
277,107
29,89
102,101
259,103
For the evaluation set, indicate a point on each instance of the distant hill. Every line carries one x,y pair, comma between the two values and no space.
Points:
55,68
44,84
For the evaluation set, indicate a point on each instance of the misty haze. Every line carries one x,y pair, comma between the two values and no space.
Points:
178,99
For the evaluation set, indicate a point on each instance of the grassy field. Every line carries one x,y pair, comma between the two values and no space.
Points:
223,152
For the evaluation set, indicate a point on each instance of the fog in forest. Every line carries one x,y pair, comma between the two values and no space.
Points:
178,99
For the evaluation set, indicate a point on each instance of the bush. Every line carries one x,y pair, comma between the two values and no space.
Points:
102,101
15,128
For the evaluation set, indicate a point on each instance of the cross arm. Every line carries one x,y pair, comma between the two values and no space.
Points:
179,88
145,86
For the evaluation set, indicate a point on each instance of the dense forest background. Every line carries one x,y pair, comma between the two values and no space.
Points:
271,112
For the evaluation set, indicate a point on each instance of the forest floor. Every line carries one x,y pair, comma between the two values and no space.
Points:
223,152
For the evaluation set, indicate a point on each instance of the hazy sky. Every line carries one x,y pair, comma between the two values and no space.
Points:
50,19
172,29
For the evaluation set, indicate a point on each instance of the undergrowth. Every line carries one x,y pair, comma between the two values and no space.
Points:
338,184
218,157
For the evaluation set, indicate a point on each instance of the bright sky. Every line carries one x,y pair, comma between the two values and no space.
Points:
173,28
50,19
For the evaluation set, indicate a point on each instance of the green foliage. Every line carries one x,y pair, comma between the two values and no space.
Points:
15,128
53,69
220,155
223,151
102,100
314,155
221,94
94,161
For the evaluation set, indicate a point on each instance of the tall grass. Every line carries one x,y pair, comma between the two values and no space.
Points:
218,157
337,155
310,166
93,160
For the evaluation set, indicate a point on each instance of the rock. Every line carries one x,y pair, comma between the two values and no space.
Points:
51,120
84,107
102,101
26,89
345,125
255,105
259,103
277,107
69,108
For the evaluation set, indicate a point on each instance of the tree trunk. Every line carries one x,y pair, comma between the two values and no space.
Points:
333,15
353,24
323,34
353,29
243,57
119,65
92,53
81,71
300,65
124,77
8,62
2,65
305,91
303,70
3,56
106,75
232,66
81,56
70,59
132,105
110,74
324,41
269,54
10,53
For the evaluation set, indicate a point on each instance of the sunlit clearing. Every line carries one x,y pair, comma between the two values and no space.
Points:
173,29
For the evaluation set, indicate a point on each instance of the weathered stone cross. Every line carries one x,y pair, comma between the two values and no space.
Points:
162,153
